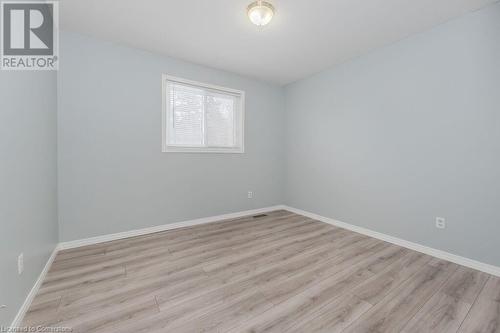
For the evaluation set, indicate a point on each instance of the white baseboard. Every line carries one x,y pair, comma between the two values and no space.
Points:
474,264
29,299
164,227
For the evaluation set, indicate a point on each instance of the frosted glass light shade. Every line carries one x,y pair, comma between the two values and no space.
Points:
260,12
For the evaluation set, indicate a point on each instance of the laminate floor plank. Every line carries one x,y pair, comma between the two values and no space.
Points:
484,316
281,272
147,242
282,290
446,309
333,317
375,289
144,283
192,231
393,312
160,252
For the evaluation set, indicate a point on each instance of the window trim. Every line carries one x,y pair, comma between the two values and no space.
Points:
191,149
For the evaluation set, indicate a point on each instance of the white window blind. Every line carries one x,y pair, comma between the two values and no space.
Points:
202,118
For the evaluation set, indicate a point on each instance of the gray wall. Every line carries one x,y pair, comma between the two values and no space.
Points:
404,134
28,147
112,174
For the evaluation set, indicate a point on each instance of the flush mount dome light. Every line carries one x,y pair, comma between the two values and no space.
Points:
260,12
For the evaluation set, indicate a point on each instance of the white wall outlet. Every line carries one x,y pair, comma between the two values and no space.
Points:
20,264
250,194
440,222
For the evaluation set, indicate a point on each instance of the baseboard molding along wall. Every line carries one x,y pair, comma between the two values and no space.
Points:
31,296
474,264
164,227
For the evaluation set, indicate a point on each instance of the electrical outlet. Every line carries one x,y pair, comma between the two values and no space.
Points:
250,194
440,222
20,264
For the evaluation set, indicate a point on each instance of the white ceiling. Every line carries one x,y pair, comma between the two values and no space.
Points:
305,36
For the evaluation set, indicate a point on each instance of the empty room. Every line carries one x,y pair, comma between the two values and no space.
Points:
250,166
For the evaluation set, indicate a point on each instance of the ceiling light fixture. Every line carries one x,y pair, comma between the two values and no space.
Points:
260,12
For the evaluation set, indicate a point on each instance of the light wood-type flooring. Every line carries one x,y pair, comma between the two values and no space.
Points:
277,273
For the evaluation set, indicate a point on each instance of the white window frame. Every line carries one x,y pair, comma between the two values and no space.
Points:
166,148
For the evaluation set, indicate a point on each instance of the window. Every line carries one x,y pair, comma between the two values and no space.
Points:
199,117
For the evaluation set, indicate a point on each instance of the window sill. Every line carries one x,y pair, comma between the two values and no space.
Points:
213,150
